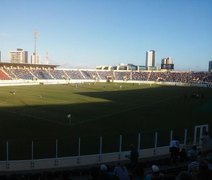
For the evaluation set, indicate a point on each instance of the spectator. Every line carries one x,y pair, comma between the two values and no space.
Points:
174,149
155,175
193,153
133,156
205,142
193,168
103,174
121,172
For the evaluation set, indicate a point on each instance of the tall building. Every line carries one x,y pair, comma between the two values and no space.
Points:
35,59
150,59
210,66
19,56
167,63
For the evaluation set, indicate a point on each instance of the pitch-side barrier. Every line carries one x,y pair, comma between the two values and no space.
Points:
9,166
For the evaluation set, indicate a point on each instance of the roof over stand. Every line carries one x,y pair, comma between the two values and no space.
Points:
27,66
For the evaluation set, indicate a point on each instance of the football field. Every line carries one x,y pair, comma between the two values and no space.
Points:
44,113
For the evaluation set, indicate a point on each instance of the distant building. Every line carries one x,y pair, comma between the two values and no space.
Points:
122,67
127,67
141,67
167,63
103,67
35,59
19,56
210,66
150,59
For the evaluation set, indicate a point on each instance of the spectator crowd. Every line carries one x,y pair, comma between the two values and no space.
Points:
158,76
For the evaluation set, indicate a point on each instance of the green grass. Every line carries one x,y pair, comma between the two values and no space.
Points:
39,113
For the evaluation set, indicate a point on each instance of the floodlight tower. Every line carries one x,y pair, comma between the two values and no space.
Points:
35,45
47,57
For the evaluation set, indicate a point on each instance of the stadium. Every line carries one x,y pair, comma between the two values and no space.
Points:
56,119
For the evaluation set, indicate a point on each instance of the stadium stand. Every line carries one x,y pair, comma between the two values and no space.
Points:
49,72
3,75
157,76
89,74
104,75
74,74
8,71
122,75
41,74
140,76
22,73
58,74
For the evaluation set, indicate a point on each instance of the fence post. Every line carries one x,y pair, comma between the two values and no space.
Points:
139,141
32,148
185,137
7,155
79,150
171,135
195,136
100,148
56,152
201,132
56,148
120,146
156,142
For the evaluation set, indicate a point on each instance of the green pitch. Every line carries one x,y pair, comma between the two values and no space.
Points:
65,112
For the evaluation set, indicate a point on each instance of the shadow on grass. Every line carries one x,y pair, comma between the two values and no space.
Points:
125,112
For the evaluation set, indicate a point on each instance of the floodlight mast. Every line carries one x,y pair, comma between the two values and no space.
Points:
47,57
35,45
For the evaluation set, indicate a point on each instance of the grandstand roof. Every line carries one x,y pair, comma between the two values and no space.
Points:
22,65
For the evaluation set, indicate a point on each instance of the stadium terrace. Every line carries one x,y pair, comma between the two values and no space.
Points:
37,73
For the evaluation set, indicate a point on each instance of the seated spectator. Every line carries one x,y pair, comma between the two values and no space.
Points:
155,175
193,168
205,142
103,173
205,138
121,172
193,154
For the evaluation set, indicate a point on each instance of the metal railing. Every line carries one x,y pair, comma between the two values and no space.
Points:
159,147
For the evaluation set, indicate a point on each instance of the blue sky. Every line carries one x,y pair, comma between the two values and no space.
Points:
87,33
